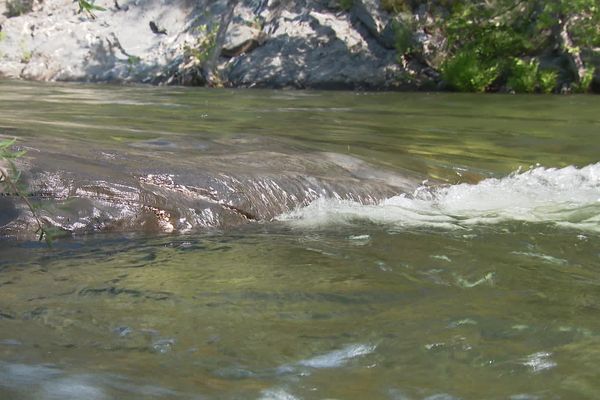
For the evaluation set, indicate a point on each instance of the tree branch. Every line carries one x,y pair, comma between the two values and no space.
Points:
209,66
573,51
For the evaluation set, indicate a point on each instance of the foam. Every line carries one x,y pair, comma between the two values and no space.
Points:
568,197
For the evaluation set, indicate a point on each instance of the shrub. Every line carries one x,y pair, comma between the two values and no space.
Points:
585,82
465,72
395,6
547,81
14,8
89,7
523,76
404,41
205,44
503,32
346,4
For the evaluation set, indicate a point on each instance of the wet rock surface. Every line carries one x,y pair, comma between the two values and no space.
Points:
142,191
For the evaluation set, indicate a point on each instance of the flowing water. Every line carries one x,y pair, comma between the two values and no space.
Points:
483,283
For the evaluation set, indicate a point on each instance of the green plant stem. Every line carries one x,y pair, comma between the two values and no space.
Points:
13,187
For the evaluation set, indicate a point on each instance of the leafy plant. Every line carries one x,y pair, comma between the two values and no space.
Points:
524,76
205,44
580,17
89,7
14,8
500,31
395,6
9,181
547,81
404,40
255,23
26,56
465,72
585,82
346,4
133,60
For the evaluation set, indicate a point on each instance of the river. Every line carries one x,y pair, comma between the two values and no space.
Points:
483,283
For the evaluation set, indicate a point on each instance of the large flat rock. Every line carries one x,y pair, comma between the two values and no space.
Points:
140,190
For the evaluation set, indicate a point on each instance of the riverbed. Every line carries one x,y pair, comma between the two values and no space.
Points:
481,283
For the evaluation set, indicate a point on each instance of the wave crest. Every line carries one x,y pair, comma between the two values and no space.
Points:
567,196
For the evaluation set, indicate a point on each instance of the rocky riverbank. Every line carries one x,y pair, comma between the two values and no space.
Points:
326,44
266,44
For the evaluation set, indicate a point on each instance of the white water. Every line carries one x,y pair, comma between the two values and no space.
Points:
568,197
333,359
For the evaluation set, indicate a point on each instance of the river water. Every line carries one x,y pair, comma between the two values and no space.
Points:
483,283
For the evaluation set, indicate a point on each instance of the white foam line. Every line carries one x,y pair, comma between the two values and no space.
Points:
568,197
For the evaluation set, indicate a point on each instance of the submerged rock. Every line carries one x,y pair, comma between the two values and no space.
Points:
143,191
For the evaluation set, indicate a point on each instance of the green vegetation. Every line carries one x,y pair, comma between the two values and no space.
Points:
132,60
513,35
547,80
525,46
526,77
10,184
395,6
89,7
26,56
14,8
346,4
201,50
404,41
466,72
585,82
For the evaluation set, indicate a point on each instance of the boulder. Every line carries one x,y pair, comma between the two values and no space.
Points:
244,33
377,21
268,43
116,189
314,49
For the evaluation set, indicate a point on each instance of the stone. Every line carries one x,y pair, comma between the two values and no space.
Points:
268,44
89,192
377,21
315,49
241,38
117,45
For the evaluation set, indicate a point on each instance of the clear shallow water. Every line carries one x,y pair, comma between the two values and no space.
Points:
487,287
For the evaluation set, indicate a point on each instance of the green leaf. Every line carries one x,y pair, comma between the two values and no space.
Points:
11,155
16,174
6,143
87,6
